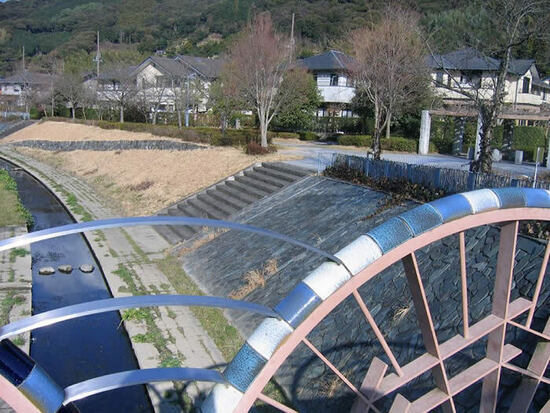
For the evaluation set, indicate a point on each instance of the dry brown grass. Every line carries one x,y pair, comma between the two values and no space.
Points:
255,279
142,182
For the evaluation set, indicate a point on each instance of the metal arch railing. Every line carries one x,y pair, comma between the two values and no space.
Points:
135,377
28,390
113,304
55,232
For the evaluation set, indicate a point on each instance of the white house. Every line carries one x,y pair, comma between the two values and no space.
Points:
332,75
470,70
18,88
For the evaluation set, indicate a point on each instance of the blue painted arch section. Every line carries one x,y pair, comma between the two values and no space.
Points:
387,236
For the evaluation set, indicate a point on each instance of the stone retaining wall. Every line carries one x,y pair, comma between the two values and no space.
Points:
65,146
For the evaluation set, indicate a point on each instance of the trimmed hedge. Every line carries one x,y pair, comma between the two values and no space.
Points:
211,136
394,143
308,136
355,140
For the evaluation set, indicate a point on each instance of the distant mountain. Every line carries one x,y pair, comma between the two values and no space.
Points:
203,27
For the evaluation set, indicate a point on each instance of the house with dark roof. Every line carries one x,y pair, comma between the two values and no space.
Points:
163,79
18,87
332,75
471,70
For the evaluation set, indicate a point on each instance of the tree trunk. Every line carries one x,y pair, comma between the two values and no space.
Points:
53,104
484,162
376,132
73,110
263,128
154,122
224,125
121,114
388,126
179,118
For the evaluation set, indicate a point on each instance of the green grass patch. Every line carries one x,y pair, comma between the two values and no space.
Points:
225,336
10,300
18,252
12,211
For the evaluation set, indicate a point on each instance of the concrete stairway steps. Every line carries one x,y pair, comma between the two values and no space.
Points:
211,212
268,179
246,189
286,168
246,180
216,203
184,231
227,198
277,174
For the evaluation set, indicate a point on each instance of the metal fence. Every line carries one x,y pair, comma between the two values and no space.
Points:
449,180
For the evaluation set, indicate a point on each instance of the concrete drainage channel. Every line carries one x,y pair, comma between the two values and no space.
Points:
226,198
75,350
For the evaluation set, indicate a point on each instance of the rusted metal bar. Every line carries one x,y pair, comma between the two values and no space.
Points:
400,405
426,326
538,286
464,285
535,371
340,375
530,330
501,299
275,403
377,332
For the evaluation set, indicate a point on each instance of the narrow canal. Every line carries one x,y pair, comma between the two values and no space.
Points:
84,348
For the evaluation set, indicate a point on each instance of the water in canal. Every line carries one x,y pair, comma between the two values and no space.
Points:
87,347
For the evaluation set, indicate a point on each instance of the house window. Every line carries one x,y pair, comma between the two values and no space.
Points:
439,78
526,85
334,80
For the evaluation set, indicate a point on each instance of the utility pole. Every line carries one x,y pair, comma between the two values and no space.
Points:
97,58
187,101
292,38
23,59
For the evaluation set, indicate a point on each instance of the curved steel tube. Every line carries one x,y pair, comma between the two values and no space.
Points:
111,304
134,377
155,220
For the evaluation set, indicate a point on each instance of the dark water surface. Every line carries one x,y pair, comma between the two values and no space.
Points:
87,347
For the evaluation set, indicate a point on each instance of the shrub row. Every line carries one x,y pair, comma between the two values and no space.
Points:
525,138
394,143
212,136
308,136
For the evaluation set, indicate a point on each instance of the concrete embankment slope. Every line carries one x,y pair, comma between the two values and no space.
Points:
15,289
329,214
131,259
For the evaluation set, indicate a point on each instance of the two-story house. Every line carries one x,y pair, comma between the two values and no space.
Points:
17,89
470,71
184,77
332,75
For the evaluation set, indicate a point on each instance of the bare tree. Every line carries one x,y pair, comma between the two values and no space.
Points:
390,69
69,88
259,68
512,24
118,87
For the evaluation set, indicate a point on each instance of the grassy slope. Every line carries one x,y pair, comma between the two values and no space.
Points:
12,212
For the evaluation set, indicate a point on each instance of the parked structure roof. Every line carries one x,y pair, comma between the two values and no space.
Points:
331,60
470,59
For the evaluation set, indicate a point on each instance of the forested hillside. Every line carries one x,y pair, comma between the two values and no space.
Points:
132,29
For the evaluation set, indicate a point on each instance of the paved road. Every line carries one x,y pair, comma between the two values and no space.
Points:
317,155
